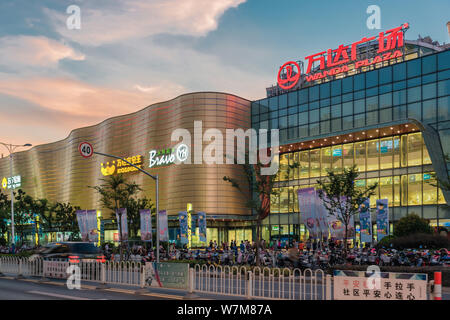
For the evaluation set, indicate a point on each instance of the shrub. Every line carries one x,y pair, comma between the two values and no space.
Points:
426,241
411,224
385,242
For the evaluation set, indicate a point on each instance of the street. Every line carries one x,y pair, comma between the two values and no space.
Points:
33,289
30,289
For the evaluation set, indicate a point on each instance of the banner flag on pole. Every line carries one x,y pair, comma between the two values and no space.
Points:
91,217
365,221
306,204
382,219
82,224
123,228
163,226
321,216
183,216
146,224
201,222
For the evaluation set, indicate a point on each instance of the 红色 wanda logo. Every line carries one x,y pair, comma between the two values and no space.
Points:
291,76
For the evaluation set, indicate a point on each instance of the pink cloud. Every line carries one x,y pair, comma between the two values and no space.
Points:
19,51
74,97
51,108
141,18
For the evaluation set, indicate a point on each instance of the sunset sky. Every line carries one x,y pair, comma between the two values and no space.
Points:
132,53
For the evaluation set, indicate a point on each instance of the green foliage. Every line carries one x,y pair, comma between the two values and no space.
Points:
386,241
338,186
428,241
66,217
411,224
415,241
52,217
115,192
5,211
262,185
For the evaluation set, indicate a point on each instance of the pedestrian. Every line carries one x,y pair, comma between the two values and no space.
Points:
301,246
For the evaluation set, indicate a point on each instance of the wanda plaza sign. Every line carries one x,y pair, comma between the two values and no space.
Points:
333,62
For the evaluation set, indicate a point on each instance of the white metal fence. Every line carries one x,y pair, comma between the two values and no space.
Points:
266,283
238,281
221,280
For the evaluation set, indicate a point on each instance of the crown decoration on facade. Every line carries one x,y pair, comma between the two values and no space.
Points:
108,170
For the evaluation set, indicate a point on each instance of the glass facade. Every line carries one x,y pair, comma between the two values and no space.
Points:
399,161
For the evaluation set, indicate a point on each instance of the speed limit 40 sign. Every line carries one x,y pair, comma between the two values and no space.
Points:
85,149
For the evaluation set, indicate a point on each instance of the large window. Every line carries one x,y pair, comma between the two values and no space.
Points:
315,163
284,165
386,153
429,190
336,155
304,164
348,155
386,189
415,149
284,200
360,156
372,155
326,160
414,189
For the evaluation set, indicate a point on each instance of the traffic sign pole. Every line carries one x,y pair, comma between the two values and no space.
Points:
154,177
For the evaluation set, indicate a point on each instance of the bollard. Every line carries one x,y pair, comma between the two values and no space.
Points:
44,271
102,284
329,279
250,286
438,285
142,283
19,274
191,295
1,265
430,288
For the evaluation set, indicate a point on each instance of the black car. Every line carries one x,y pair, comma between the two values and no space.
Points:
74,251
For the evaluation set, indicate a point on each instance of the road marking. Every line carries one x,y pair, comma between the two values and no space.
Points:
166,296
119,290
57,295
150,294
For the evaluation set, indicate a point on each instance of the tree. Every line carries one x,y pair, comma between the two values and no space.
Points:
5,212
43,210
342,186
262,185
66,218
411,224
22,213
115,193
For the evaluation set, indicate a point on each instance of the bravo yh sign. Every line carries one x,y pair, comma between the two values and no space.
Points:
344,58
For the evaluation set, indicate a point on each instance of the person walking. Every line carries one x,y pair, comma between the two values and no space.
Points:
242,246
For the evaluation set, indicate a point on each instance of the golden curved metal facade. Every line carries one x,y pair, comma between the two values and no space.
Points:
57,171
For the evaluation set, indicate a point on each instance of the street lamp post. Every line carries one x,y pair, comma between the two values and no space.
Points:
11,148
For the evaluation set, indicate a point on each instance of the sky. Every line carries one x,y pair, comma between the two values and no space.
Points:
129,54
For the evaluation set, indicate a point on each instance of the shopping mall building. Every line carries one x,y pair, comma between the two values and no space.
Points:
382,105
